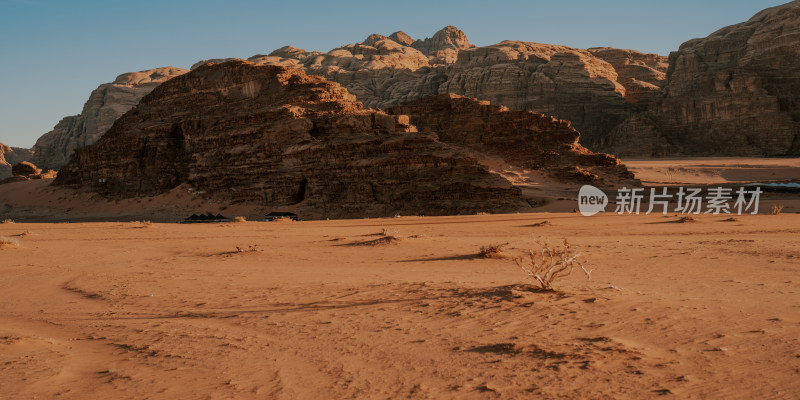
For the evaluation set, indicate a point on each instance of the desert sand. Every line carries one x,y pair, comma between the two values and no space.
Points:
399,307
707,309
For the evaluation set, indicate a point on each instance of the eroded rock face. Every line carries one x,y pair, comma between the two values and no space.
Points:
735,92
448,38
281,138
573,84
106,103
642,75
25,171
10,156
521,138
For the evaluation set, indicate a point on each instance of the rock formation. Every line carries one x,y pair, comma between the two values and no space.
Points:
278,137
732,93
735,92
11,156
578,85
25,171
106,103
521,138
595,89
642,75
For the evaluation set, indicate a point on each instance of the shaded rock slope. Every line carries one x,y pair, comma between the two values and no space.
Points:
278,137
521,138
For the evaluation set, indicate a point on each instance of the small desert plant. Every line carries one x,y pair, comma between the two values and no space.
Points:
252,247
239,219
8,242
146,224
389,232
776,209
492,249
282,219
7,221
549,263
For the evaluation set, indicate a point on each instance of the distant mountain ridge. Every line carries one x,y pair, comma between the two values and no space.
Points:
732,93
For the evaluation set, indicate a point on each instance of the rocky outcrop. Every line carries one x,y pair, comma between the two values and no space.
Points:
521,138
11,156
642,75
25,171
106,103
735,92
560,81
277,137
448,38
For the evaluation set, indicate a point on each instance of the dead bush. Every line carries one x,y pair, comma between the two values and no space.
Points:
7,221
776,209
549,263
390,232
251,248
492,250
239,219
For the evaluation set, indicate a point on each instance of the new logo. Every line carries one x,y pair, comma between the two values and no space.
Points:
591,200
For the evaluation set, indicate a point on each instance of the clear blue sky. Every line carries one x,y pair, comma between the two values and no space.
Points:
53,53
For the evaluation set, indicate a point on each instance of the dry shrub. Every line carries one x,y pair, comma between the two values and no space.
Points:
283,219
492,250
8,242
776,209
239,219
685,219
549,263
251,248
147,224
7,221
390,232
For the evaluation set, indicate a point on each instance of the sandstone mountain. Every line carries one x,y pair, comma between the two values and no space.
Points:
274,136
735,92
106,103
595,89
732,93
10,156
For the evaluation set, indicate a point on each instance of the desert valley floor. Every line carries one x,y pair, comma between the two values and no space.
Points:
707,309
401,307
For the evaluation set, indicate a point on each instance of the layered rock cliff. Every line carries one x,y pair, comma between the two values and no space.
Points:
578,85
10,156
106,103
278,137
595,89
521,138
735,92
642,75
